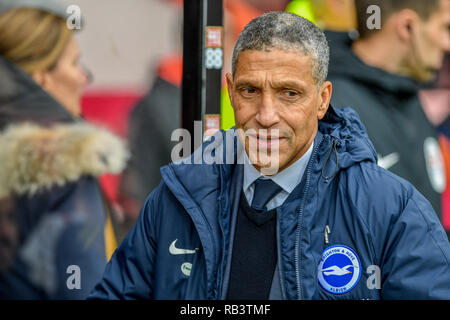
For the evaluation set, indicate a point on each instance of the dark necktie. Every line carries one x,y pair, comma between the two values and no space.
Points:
265,190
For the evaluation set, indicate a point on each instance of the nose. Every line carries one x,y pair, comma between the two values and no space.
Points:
447,45
267,115
446,41
88,76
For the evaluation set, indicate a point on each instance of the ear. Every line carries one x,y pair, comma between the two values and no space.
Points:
325,92
39,77
404,23
43,78
229,78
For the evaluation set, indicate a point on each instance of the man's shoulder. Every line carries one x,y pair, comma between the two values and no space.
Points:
382,200
160,194
374,189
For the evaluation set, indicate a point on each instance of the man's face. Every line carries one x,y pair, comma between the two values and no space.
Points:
275,90
431,39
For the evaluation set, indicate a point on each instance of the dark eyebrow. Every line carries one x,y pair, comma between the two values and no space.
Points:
279,84
289,84
245,83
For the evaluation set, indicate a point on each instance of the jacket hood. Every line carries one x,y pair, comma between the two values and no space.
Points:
348,137
345,63
36,158
341,141
22,99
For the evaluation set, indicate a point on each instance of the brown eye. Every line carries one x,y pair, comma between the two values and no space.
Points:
248,91
290,93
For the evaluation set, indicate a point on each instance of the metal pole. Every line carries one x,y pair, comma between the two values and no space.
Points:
202,65
192,82
214,39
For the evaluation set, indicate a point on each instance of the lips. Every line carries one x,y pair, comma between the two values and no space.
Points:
268,142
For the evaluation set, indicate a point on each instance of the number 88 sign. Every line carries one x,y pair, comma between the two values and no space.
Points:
213,58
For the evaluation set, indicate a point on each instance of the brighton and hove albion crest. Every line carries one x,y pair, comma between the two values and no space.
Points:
339,269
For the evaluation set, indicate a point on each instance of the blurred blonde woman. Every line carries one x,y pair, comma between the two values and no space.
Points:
50,160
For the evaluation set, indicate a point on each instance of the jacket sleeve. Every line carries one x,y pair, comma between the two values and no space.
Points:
416,257
130,272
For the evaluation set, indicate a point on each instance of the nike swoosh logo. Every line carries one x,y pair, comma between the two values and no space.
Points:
388,161
174,250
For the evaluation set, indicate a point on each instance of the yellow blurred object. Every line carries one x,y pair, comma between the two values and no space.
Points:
110,238
336,15
226,111
303,8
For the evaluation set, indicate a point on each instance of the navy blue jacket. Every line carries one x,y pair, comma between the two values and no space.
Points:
382,218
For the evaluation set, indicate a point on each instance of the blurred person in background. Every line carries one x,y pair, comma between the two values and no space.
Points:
50,159
436,98
436,104
149,139
380,75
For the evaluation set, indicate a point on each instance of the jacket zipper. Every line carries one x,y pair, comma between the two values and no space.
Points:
220,267
280,268
213,245
300,218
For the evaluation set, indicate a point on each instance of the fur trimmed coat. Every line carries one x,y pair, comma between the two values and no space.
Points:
49,165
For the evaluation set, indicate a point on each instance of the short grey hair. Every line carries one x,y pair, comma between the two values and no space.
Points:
286,31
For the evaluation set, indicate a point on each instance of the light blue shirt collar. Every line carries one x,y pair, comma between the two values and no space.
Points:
287,179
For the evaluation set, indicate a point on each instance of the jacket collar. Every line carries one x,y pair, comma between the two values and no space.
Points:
22,99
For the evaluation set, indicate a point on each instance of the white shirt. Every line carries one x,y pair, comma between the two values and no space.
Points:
287,179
